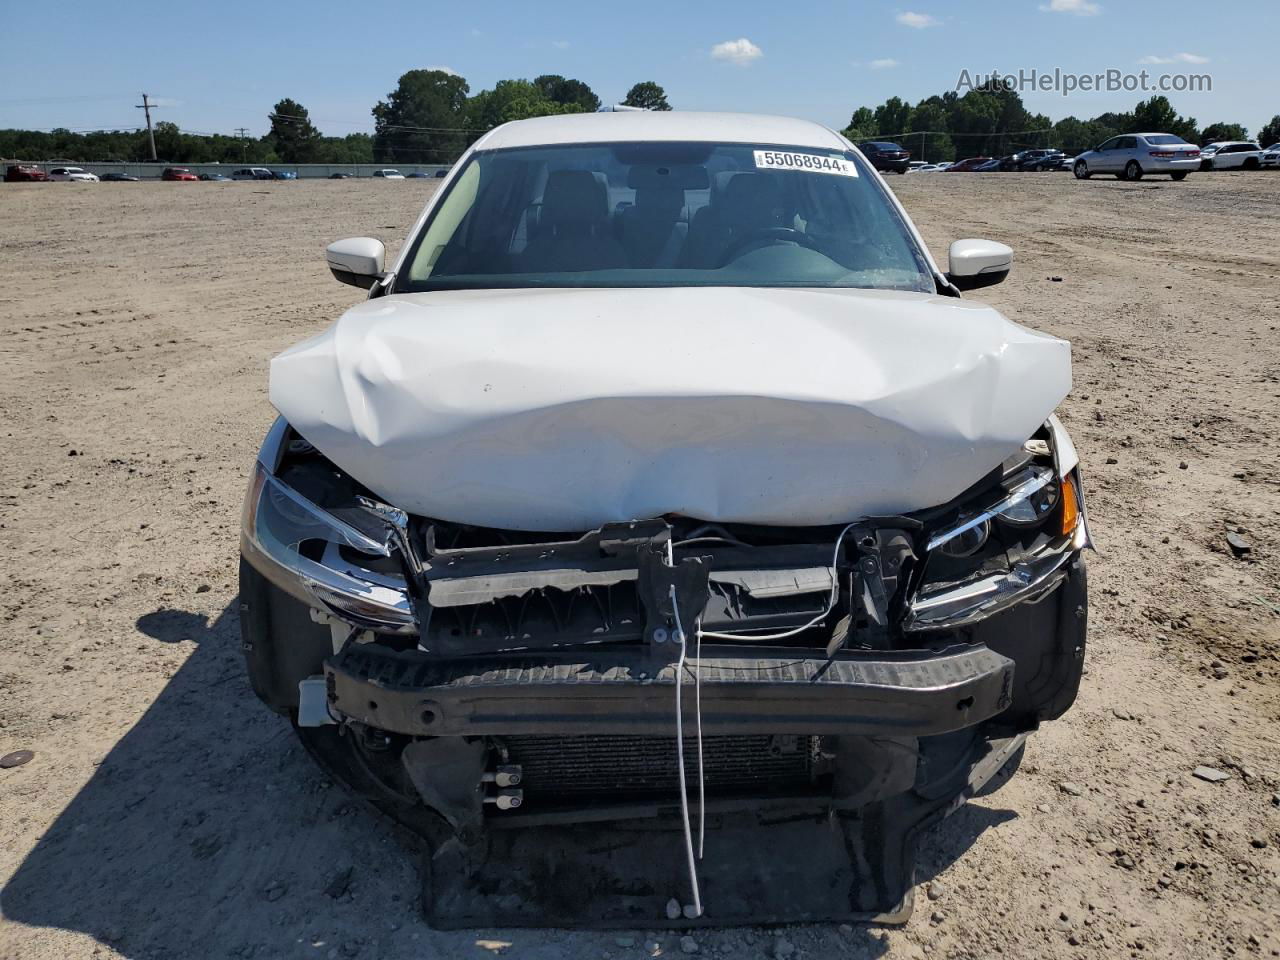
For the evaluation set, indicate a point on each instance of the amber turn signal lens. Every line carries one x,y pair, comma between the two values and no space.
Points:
1070,507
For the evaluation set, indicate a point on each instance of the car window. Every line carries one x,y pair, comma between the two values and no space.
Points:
1110,144
1164,138
665,214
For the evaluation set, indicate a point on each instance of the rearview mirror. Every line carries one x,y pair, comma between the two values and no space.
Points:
357,261
978,263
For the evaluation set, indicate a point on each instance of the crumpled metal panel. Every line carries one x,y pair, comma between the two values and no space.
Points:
568,409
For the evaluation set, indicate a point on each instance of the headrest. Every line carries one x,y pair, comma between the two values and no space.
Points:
753,199
574,197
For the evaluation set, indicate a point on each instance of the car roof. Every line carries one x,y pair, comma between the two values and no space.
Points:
664,125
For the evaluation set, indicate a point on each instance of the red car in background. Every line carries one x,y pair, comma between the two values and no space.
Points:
967,165
177,173
21,173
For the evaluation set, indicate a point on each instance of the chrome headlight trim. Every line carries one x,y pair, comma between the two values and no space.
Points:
277,519
959,605
1037,479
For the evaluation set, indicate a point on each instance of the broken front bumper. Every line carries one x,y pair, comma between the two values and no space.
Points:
624,691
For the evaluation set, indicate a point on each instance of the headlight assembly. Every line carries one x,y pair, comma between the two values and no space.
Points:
1044,515
291,541
1028,498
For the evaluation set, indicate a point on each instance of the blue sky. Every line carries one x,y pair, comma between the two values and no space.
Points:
217,68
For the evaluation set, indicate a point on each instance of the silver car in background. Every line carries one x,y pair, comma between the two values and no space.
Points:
1134,155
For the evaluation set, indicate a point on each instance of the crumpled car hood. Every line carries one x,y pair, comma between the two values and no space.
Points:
561,410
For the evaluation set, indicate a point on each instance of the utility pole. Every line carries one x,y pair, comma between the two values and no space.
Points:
243,132
146,106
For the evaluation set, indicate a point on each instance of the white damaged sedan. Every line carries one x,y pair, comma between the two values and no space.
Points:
665,480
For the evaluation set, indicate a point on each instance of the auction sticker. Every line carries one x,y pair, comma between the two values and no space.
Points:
804,162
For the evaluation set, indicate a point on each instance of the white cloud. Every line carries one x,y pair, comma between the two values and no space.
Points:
741,51
919,21
1081,8
886,64
1176,58
444,69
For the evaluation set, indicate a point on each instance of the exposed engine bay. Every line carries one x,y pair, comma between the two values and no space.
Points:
469,679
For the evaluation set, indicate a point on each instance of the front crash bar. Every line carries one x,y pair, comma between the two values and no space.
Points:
612,690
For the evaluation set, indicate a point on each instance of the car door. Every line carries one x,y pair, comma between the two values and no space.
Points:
1103,159
1126,150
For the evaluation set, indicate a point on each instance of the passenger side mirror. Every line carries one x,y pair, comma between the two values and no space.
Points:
357,261
978,263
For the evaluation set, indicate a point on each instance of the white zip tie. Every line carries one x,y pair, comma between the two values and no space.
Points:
684,791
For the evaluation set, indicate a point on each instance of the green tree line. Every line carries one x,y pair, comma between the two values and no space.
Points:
992,121
430,117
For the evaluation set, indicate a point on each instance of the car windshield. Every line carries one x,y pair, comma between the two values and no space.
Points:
663,215
1164,138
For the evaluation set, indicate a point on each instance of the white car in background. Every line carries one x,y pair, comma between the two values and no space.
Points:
388,173
1236,155
73,174
1271,156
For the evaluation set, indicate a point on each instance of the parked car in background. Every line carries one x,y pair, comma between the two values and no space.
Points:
990,166
967,165
925,168
1134,155
440,174
24,173
252,173
1271,156
1039,160
1236,155
388,173
339,176
115,177
886,156
72,175
418,175
1056,161
284,174
177,173
215,177
1206,155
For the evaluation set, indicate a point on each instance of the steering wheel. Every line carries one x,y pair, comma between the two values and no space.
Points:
767,235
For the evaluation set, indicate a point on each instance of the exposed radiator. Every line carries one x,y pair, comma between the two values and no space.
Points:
618,769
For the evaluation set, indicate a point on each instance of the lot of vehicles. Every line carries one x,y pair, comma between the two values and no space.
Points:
537,564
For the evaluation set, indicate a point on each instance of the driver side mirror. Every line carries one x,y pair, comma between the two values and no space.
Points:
357,261
978,263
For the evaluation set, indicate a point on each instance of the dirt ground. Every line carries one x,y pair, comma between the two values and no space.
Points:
167,814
